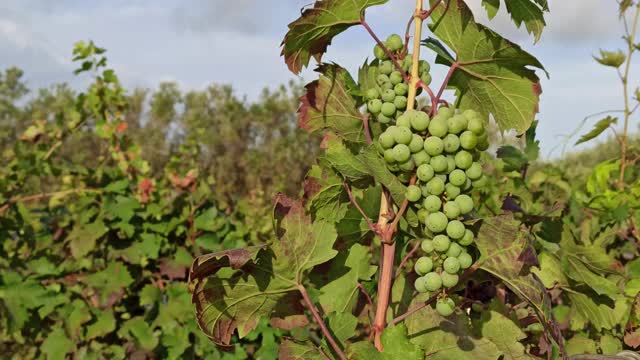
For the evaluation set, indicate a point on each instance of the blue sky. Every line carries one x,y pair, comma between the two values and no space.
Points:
198,42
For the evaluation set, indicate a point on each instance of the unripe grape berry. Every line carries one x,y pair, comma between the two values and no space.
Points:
386,85
522,313
416,144
451,209
423,66
427,246
401,153
424,265
394,42
425,172
432,203
477,307
480,183
439,163
413,193
457,177
389,156
386,67
395,77
465,202
420,285
388,109
465,260
403,121
426,78
379,53
386,140
451,143
394,166
435,186
451,265
374,106
433,145
455,229
445,112
421,157
451,164
468,140
401,89
474,172
383,119
438,127
445,307
457,124
402,135
449,280
437,222
476,125
452,191
388,95
382,79
407,166
420,121
372,94
406,63
433,282
454,250
467,185
470,114
441,243
467,238
400,102
464,159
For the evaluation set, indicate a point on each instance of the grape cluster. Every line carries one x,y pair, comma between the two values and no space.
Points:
388,99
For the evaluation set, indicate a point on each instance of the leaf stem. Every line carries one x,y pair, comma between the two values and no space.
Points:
371,225
406,258
384,48
445,82
320,322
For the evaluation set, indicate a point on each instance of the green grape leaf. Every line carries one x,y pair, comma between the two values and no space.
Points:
578,271
601,316
176,342
395,343
580,344
312,32
57,345
104,324
78,314
436,46
611,58
598,129
110,283
139,330
149,295
492,75
529,12
83,237
532,146
367,78
492,7
328,105
550,271
327,197
353,227
502,331
514,159
291,350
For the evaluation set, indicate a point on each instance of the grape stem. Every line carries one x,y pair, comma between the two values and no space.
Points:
384,48
367,131
320,322
371,225
406,258
453,67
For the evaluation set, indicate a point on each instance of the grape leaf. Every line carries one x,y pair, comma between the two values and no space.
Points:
312,32
492,75
83,237
580,344
601,316
598,129
56,345
328,105
578,271
327,198
290,350
492,7
529,12
395,344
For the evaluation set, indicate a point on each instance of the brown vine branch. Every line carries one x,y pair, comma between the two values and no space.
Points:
371,225
320,322
367,131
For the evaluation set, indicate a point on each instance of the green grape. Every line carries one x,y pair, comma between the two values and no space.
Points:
451,209
386,86
400,102
388,109
404,177
386,140
401,89
420,285
522,313
442,177
535,328
416,144
402,135
474,172
379,53
393,167
451,265
372,94
423,66
423,265
468,140
476,125
426,78
467,238
433,282
386,67
465,260
441,243
421,157
433,145
419,121
452,191
389,156
413,193
477,307
422,215
438,127
394,42
483,145
467,185
445,112
464,159
406,64
403,121
470,114
435,186
408,166
455,229
454,250
388,95
401,153
480,183
432,203
396,77
439,163
451,143
425,172
383,119
374,106
427,246
465,202
451,164
449,280
457,177
437,222
382,79
445,307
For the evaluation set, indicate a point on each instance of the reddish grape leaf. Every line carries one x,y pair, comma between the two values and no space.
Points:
312,32
291,350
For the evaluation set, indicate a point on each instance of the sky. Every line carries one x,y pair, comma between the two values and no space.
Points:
199,42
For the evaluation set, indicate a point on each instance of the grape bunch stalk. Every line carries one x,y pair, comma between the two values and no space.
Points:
439,159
